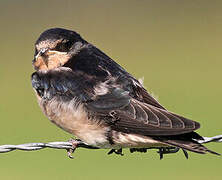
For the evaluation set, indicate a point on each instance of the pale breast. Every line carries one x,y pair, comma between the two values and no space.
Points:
72,117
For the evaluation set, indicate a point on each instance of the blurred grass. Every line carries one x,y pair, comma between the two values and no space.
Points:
174,45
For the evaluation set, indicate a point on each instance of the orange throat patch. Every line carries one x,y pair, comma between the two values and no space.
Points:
52,60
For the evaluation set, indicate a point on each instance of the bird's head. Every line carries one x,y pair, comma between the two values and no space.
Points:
55,47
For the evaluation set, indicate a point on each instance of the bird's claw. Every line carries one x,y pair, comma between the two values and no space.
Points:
116,151
75,143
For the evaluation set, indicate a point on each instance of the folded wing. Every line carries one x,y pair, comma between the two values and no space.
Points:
129,115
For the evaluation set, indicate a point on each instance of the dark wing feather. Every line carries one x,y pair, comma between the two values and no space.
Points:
133,116
153,121
111,101
144,96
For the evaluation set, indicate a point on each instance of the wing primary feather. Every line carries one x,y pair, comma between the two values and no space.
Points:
163,119
141,115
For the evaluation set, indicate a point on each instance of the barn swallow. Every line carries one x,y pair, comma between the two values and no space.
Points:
86,93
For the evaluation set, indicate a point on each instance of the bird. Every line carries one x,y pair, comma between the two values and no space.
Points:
87,94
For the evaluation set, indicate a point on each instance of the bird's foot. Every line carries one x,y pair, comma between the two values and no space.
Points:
116,151
76,143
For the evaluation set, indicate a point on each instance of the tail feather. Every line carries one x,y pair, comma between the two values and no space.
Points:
190,145
190,141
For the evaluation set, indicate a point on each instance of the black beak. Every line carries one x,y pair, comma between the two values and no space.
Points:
41,53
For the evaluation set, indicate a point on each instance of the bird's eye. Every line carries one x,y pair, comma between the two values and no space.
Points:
64,46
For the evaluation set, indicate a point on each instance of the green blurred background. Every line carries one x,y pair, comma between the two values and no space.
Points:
175,45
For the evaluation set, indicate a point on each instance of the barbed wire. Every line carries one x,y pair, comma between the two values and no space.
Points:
69,145
35,146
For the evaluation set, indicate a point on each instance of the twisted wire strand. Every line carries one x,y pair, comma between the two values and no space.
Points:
68,145
35,146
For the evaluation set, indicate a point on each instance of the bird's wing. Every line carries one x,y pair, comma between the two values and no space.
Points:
126,114
94,62
141,94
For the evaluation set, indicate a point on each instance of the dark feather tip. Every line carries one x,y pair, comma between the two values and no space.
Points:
212,152
185,153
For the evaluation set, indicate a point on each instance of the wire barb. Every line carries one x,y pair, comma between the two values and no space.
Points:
68,145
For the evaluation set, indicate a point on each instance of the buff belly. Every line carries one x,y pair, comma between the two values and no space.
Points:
72,117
